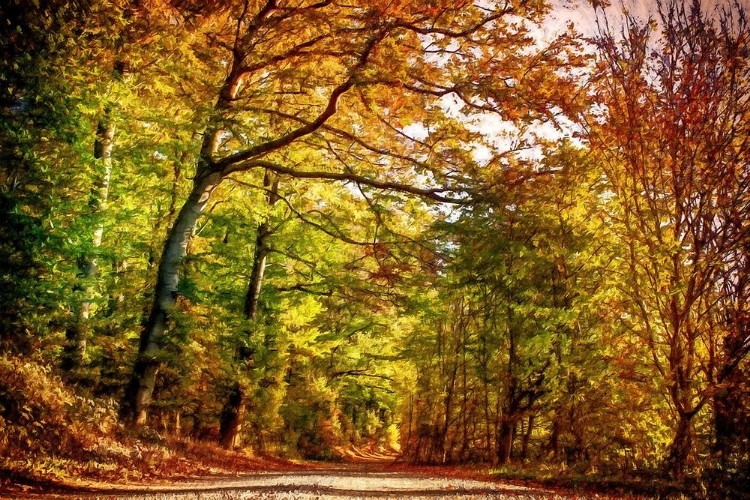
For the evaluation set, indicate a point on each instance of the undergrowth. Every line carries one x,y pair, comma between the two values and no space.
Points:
644,484
50,435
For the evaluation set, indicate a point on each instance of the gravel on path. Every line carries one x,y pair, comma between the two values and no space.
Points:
344,482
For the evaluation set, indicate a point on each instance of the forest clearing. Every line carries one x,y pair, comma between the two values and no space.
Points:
255,235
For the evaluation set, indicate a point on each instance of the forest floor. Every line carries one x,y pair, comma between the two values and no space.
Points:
350,481
360,477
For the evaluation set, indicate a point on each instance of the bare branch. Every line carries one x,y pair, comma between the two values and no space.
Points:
432,194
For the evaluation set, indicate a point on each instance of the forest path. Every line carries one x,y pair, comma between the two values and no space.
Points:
361,480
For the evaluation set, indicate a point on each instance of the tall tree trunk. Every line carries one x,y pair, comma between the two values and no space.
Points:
464,414
527,438
682,445
233,412
76,335
508,415
411,421
554,436
444,447
140,390
488,422
232,416
505,441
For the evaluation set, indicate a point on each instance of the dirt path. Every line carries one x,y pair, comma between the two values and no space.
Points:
352,481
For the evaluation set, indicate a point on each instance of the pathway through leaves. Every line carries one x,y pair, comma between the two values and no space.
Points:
350,481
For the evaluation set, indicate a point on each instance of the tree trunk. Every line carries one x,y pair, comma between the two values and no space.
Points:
527,438
411,421
443,444
140,390
259,269
554,437
232,417
505,441
488,422
509,412
679,450
76,335
233,413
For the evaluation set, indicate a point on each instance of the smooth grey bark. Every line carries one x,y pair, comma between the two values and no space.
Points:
76,335
140,390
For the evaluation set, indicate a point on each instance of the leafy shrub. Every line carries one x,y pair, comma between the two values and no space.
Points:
48,431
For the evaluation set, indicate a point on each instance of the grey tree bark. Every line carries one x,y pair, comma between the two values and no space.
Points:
76,334
140,390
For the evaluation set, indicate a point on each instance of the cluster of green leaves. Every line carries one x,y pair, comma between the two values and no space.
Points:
319,374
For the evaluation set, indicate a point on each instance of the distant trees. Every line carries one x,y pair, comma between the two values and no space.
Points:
627,267
524,338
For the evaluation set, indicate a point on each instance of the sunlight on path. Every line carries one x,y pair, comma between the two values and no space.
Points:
335,483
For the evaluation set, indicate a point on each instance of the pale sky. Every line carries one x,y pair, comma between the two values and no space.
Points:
582,13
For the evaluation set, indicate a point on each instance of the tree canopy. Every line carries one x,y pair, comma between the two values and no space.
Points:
297,226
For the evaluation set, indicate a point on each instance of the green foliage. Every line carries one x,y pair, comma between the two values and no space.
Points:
527,359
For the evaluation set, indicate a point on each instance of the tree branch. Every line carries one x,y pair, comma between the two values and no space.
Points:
234,162
432,194
508,9
305,287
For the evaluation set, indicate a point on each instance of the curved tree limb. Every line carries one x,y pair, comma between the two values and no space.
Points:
429,193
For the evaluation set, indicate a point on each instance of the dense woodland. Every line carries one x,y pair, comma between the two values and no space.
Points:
293,226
